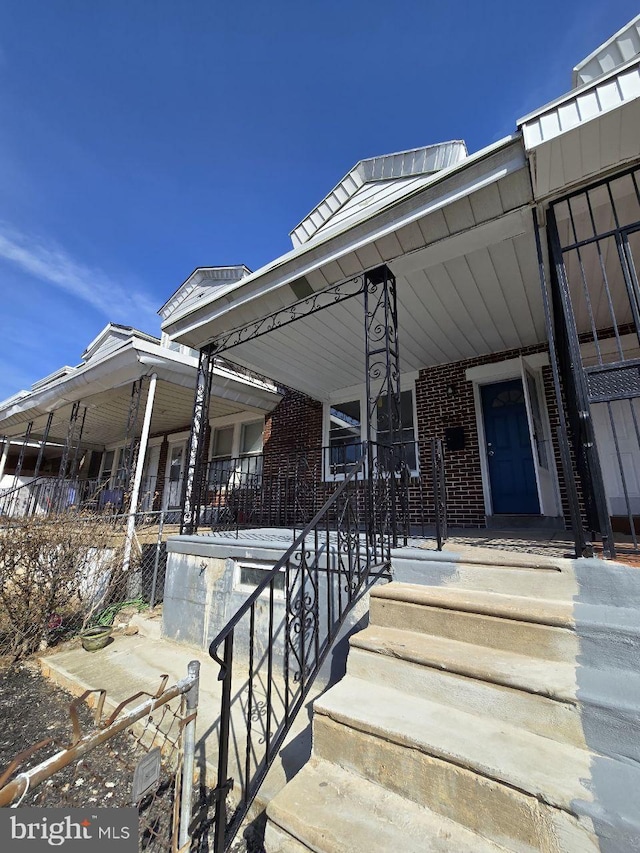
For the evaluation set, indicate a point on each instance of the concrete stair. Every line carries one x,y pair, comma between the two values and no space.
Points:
484,720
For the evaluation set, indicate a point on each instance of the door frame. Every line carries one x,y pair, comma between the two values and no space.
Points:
502,371
179,438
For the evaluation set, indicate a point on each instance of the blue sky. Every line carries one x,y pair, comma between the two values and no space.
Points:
142,138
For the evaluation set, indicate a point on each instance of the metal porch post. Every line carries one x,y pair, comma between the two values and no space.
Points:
128,453
382,377
583,548
575,383
71,446
23,448
193,485
43,444
137,479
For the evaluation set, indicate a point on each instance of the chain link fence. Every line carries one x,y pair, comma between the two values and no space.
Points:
140,754
63,575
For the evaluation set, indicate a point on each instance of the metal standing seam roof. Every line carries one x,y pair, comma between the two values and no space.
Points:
404,164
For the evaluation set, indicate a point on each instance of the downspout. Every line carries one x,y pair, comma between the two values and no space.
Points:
137,479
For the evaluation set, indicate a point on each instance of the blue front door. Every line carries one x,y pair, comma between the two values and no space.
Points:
506,427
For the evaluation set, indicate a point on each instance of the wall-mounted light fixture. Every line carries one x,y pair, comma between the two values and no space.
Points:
451,390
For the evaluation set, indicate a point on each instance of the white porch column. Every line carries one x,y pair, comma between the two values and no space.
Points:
137,478
3,458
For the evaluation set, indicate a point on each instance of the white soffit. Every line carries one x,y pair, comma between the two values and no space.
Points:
112,375
590,130
472,291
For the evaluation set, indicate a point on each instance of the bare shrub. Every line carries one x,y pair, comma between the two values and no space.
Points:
55,573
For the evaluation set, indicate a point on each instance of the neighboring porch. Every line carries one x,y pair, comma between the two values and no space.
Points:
110,435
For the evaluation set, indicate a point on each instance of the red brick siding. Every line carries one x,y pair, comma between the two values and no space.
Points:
294,425
437,411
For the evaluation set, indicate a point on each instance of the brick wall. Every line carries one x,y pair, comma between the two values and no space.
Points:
295,425
436,411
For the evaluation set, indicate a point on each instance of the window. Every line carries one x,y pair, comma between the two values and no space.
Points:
223,443
248,576
236,450
175,466
174,474
251,439
107,464
345,436
405,437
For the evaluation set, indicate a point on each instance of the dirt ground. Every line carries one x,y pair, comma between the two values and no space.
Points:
33,709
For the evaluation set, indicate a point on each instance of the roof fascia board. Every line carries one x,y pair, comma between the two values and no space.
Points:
574,93
424,201
146,358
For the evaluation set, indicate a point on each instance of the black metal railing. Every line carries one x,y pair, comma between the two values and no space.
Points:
287,489
274,646
46,494
439,490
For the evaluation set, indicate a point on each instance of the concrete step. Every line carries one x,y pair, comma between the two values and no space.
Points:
496,779
553,579
276,840
531,693
560,701
479,618
329,810
478,556
548,629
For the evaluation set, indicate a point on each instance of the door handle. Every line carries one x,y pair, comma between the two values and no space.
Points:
489,450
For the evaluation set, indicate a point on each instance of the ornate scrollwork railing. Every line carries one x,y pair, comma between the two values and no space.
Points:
282,634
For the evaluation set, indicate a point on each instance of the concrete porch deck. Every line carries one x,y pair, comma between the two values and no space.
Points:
482,543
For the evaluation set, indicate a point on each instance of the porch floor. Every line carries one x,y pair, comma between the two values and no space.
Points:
461,541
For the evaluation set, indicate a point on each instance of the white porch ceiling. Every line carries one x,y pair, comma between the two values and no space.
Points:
104,388
106,418
472,292
482,186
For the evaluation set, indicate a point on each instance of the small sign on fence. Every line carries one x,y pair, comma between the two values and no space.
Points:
146,776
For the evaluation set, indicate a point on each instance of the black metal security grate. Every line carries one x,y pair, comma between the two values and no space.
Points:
594,240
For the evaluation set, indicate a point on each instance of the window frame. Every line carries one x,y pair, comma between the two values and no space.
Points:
358,393
237,421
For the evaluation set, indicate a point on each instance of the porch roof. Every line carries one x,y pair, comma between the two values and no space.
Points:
462,248
586,133
103,385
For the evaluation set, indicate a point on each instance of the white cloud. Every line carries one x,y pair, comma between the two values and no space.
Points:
48,262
